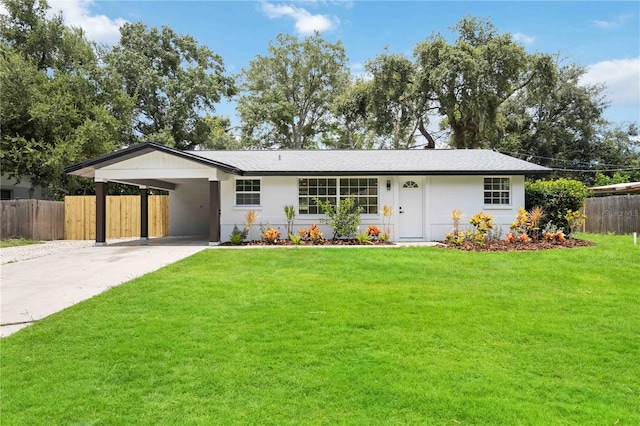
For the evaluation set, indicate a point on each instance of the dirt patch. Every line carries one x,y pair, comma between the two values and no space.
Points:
503,245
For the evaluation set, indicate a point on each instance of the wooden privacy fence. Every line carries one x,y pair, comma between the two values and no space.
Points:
123,216
619,214
32,219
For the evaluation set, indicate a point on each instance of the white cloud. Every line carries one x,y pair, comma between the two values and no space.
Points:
99,28
616,23
523,38
622,78
305,22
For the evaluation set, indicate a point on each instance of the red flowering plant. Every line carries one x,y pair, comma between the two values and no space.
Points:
373,231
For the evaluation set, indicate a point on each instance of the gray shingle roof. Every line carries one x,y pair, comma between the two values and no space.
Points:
331,162
458,161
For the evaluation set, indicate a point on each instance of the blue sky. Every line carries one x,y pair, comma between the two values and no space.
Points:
602,36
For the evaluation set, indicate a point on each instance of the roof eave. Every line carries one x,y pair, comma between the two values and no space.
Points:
396,173
143,148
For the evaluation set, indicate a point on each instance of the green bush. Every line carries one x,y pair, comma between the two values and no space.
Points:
343,218
237,236
556,197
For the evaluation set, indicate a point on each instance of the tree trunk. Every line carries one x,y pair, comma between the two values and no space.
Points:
458,132
431,143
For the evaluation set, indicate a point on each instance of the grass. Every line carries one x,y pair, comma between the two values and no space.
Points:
15,242
344,336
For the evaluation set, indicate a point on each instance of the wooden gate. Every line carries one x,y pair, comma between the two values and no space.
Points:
123,216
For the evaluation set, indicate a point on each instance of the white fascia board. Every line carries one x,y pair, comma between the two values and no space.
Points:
159,174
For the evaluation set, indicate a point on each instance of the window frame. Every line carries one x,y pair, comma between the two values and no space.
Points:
496,194
251,192
340,191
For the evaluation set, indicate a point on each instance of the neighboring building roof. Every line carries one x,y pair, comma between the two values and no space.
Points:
331,162
618,188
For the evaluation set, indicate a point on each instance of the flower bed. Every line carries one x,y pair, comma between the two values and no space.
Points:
331,242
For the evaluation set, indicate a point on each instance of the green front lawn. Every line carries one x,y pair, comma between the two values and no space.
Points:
344,336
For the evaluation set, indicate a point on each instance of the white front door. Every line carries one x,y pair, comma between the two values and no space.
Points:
410,208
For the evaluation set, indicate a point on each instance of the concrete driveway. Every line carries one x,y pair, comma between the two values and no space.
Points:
36,288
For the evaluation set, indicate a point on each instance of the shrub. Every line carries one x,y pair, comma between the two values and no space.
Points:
373,231
482,222
237,236
457,238
364,238
271,235
575,219
343,218
528,222
556,198
296,239
290,213
312,234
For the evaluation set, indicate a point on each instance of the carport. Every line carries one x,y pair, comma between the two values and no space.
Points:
151,165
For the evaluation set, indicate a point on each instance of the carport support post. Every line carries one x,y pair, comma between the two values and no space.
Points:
144,213
214,212
101,213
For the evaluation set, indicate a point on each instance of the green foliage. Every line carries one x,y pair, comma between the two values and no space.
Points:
237,236
575,219
290,213
469,80
556,198
57,104
617,177
296,239
363,237
343,218
173,81
395,107
287,94
562,127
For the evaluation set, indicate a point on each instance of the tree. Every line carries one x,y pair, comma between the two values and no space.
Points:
56,105
349,127
174,82
470,80
394,107
562,127
286,95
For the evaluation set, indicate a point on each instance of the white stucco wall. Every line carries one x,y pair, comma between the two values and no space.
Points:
189,208
276,192
189,205
445,193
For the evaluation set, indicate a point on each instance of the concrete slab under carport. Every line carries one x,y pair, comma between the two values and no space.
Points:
36,288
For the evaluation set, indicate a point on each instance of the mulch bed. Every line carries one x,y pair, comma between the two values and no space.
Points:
332,242
502,245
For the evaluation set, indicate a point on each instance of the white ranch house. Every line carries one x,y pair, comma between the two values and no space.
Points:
211,191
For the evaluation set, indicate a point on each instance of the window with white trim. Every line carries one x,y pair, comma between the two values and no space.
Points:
364,190
497,191
325,189
247,192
